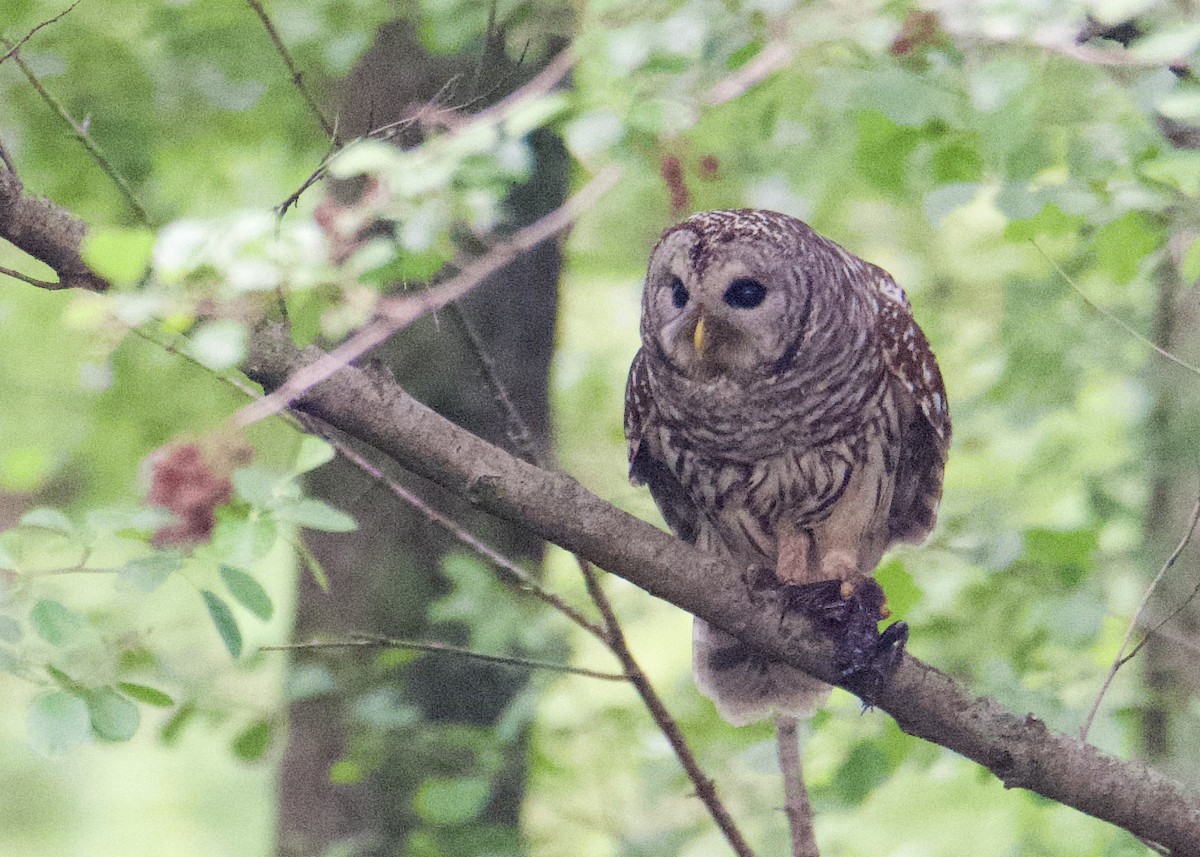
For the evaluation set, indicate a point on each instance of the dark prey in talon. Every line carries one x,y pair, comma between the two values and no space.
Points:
867,658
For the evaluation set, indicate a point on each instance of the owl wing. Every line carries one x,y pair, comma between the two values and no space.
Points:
646,468
925,416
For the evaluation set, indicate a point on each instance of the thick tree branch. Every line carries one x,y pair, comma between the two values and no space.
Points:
1021,751
46,232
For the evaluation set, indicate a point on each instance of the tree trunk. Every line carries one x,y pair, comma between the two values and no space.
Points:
384,577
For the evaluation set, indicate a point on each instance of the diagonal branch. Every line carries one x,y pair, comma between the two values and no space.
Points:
397,313
46,232
297,75
1020,750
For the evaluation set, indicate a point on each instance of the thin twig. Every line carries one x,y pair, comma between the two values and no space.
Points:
515,428
541,83
397,313
614,636
297,75
379,642
513,573
84,137
705,788
1115,319
1122,658
8,162
41,284
795,795
14,48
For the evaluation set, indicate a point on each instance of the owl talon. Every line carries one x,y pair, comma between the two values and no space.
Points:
869,678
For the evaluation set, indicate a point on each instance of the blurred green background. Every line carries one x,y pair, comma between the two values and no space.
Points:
982,153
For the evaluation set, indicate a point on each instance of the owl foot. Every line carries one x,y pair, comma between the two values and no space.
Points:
867,658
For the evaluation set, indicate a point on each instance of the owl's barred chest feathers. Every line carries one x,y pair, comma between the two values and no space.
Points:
750,468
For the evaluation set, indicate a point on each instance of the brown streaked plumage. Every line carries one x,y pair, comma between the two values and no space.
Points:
785,410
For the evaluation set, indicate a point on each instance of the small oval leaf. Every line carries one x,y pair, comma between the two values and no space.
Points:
57,721
312,454
148,695
248,592
222,617
113,717
253,741
48,519
53,622
316,515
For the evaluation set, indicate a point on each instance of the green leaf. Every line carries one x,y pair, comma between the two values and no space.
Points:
113,717
315,569
1177,169
147,573
946,199
121,254
57,721
315,514
1121,245
1069,553
383,708
253,741
243,543
173,728
145,694
313,452
53,622
248,592
227,626
256,485
306,681
446,801
1049,221
218,345
48,519
25,469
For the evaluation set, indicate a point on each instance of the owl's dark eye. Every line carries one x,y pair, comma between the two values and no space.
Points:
745,293
679,293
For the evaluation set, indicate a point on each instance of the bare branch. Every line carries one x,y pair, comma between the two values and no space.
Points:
14,48
397,313
795,795
1115,319
774,56
613,636
705,789
81,134
33,281
1020,750
47,233
1122,658
297,75
512,573
374,641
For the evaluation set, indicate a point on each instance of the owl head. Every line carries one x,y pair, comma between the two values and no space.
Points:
727,295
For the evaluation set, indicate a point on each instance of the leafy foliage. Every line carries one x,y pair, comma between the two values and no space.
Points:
972,152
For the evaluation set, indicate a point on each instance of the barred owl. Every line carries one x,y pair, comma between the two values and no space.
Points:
786,412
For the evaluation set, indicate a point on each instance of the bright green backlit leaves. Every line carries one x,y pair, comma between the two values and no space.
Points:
120,255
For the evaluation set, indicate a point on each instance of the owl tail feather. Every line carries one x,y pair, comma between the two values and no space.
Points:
745,685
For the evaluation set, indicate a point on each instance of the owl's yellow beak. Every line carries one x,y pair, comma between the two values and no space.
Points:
698,334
